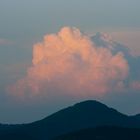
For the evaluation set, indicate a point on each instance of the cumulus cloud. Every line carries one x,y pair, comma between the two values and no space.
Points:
69,62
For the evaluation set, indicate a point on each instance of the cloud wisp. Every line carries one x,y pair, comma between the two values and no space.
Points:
5,42
69,62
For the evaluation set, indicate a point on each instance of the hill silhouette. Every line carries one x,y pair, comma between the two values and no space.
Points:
103,133
87,114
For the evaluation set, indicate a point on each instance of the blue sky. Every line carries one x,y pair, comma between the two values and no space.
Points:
23,23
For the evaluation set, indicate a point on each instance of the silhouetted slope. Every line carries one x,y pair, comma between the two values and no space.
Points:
136,117
103,133
83,115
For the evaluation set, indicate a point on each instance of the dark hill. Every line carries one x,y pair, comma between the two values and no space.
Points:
88,114
103,133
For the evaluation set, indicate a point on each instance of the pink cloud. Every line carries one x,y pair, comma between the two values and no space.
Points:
70,63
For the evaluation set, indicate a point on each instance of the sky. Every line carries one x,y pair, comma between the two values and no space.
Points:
56,53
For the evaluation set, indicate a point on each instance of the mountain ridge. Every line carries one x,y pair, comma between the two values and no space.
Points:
86,114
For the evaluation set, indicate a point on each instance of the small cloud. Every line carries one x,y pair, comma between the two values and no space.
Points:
5,42
135,85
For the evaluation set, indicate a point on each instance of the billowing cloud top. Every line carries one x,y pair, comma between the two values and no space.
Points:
70,62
